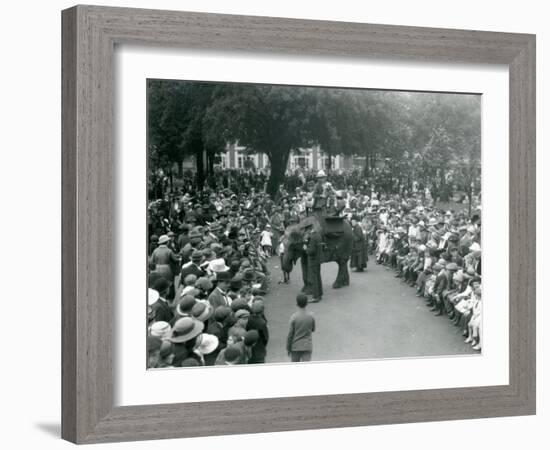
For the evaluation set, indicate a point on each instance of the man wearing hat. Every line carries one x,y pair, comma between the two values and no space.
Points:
219,296
220,323
193,267
320,193
165,259
160,308
195,243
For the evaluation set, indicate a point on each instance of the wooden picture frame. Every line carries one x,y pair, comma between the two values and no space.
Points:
90,34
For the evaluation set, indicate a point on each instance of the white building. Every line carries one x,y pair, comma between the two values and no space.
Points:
310,158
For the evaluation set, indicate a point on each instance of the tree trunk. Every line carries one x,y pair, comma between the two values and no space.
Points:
329,161
366,169
210,159
171,177
278,161
443,190
199,162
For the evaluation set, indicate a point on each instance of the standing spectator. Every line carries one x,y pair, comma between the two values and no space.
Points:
257,322
219,296
161,309
278,227
281,251
299,344
193,267
266,240
166,262
313,250
359,248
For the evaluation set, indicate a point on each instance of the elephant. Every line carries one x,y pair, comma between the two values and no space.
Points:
337,238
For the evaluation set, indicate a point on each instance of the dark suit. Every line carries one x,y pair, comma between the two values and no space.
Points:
359,249
162,311
314,254
218,298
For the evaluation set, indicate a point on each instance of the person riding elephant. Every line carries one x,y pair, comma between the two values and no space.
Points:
319,191
323,194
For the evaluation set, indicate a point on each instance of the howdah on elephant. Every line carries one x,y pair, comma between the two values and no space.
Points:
337,239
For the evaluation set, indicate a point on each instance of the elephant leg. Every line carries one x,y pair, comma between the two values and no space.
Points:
306,289
345,273
338,283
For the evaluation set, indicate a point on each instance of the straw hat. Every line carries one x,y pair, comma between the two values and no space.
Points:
152,296
160,329
186,329
202,311
218,265
208,343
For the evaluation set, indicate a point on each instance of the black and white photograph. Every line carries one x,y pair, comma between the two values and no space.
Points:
292,224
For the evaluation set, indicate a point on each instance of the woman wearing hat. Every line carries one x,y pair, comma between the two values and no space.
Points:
207,348
184,334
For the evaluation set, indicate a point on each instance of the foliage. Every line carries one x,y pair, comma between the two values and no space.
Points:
431,138
270,119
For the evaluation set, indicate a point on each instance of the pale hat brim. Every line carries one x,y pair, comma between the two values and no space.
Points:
152,296
208,344
194,332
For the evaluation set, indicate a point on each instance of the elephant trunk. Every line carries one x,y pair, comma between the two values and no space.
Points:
287,262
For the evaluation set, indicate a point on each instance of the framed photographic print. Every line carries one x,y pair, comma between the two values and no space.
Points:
290,217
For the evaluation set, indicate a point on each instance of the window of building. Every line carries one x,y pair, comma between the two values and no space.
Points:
301,161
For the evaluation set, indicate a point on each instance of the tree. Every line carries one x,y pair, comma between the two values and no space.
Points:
270,119
176,116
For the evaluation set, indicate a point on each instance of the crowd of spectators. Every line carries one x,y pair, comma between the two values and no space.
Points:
208,253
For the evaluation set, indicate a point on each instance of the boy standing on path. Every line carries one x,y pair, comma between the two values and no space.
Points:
299,343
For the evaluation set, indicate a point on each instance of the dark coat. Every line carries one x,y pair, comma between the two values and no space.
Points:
359,249
314,258
166,261
162,311
258,323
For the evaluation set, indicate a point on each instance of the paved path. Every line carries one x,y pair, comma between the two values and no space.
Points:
377,316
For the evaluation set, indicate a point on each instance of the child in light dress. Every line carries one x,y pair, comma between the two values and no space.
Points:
266,242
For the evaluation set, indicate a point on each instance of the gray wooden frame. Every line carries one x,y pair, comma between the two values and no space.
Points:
89,36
